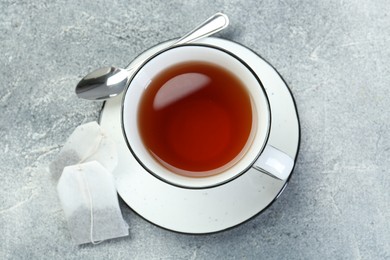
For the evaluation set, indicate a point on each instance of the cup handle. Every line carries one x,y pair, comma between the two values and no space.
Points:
274,163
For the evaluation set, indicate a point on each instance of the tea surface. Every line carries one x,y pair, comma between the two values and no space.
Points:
195,118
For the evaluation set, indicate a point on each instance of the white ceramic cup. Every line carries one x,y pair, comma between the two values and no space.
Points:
255,154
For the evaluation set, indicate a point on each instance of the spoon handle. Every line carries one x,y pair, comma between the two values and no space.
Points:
212,25
215,23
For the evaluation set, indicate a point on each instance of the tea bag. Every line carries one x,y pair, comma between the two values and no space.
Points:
89,200
88,142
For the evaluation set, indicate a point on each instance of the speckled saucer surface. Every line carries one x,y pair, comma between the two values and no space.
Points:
213,209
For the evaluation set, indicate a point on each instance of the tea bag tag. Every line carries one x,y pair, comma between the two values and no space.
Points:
274,163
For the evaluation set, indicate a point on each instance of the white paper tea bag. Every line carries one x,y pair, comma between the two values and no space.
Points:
89,200
87,143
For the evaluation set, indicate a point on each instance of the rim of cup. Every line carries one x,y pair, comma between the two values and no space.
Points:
187,53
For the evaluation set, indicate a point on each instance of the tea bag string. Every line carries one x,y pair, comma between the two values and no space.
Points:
94,149
91,211
88,155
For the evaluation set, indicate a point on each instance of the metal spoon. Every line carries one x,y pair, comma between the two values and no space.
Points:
108,82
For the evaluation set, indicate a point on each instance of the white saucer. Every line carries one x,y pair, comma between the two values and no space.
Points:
218,208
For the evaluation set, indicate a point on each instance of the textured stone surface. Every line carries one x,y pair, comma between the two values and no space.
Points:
335,56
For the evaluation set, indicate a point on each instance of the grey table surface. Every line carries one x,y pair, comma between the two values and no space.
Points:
333,54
